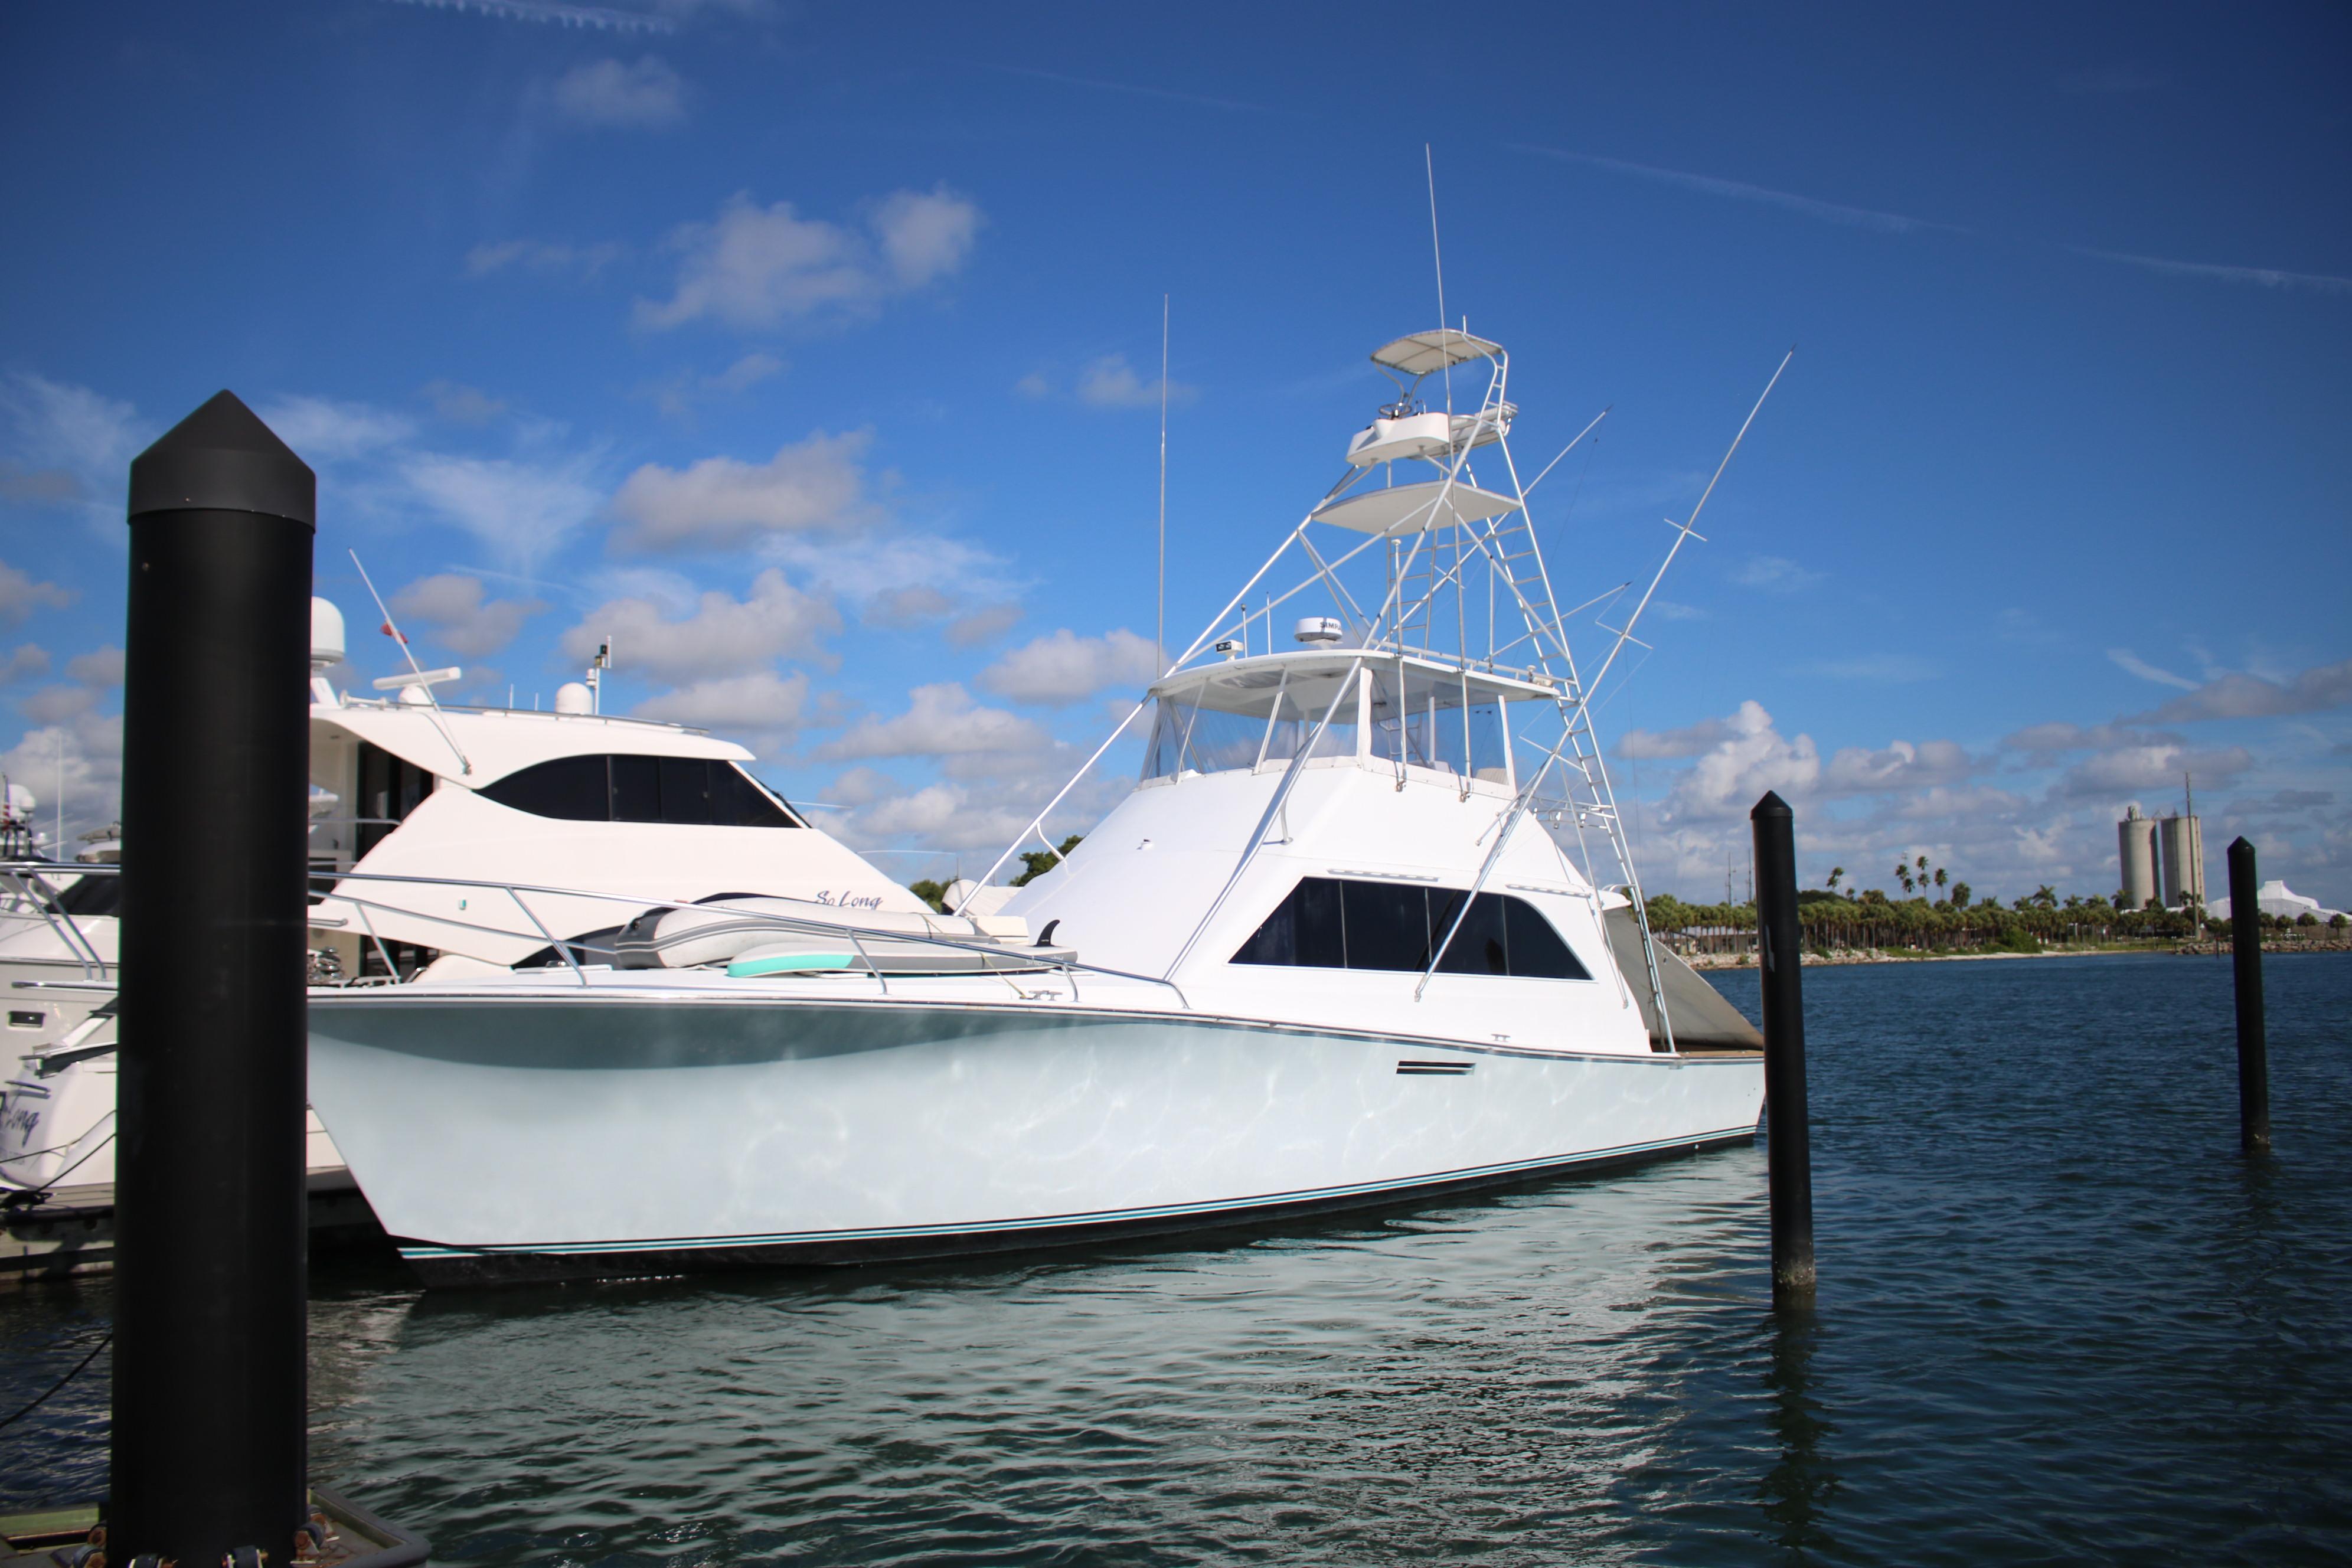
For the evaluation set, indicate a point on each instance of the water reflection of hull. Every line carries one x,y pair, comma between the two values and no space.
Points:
649,1135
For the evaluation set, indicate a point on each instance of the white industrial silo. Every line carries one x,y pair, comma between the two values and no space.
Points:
2182,841
2136,840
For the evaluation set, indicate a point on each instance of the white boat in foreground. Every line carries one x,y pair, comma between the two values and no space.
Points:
405,792
1319,957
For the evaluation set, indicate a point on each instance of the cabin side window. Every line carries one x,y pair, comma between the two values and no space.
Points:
693,792
1329,922
390,788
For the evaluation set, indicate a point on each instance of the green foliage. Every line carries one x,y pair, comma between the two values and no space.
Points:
1041,861
2337,923
2306,919
932,893
2016,939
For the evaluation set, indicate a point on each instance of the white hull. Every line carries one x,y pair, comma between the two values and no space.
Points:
648,1133
58,1130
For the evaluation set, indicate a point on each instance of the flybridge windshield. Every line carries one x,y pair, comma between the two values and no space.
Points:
1189,739
1254,717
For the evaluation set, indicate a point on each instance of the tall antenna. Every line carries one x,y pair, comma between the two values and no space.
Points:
1160,634
1429,165
391,629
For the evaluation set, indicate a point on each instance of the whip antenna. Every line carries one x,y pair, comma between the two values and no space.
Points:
1160,633
1685,530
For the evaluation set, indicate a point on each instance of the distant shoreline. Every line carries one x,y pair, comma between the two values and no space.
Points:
1705,961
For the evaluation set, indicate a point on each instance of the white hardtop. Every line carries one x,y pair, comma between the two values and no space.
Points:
1425,353
500,741
1309,679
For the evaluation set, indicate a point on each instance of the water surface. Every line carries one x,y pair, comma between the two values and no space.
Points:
2060,1319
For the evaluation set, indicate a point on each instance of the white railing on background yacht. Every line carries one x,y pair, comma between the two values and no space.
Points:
567,948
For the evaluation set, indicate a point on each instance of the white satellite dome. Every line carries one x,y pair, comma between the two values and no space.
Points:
573,698
326,634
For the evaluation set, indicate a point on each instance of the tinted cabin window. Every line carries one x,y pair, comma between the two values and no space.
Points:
1330,923
736,801
92,896
687,791
390,788
571,789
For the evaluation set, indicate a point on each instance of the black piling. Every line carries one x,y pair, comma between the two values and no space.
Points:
1788,1142
210,1382
2246,966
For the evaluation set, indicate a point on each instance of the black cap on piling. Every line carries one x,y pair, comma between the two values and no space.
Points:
210,1384
1789,1142
222,457
2246,971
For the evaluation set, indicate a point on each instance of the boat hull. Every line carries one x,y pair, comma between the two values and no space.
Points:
547,1140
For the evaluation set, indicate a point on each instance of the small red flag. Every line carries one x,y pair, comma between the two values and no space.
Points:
390,632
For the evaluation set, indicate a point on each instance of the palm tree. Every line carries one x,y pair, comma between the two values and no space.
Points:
1940,875
1835,873
1903,875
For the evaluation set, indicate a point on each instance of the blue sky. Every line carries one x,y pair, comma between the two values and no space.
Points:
813,351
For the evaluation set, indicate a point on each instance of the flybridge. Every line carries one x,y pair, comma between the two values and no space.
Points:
1435,646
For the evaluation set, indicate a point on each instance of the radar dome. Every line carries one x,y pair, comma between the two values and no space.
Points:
572,698
326,635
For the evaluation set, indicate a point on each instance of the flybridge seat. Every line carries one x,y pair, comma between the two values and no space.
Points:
755,935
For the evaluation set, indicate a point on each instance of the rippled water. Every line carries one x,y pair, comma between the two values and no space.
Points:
2060,1319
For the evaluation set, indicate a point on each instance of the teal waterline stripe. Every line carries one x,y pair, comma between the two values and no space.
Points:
1100,1216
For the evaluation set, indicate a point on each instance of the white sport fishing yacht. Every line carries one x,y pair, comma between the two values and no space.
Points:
1319,956
406,792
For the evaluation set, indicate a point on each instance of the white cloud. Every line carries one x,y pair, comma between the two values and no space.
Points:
2251,697
1063,667
91,747
983,624
2132,663
323,430
813,485
1644,745
723,636
100,666
940,720
1708,184
65,445
899,609
925,236
1774,574
1732,774
757,268
541,256
520,508
1880,669
649,94
2128,771
2263,277
24,659
1111,382
679,395
463,405
450,608
762,702
21,595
